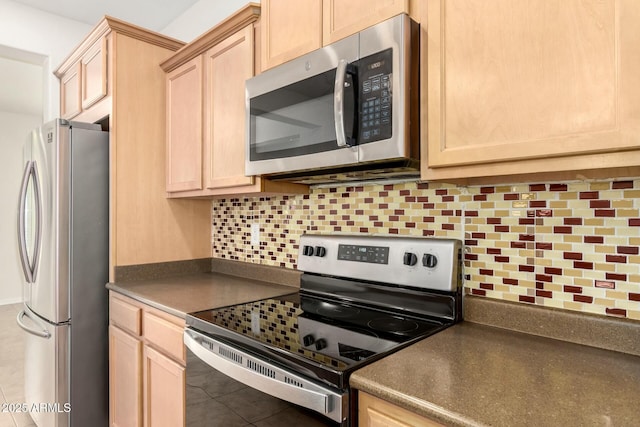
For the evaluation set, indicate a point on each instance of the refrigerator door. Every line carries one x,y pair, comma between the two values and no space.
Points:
48,294
46,379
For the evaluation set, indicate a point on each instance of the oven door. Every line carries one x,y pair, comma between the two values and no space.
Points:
302,114
227,386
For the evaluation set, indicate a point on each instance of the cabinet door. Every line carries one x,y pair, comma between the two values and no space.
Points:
289,28
342,18
70,93
514,81
374,412
184,127
125,379
94,74
228,65
164,390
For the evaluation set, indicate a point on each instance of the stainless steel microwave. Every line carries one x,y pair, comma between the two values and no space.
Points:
347,111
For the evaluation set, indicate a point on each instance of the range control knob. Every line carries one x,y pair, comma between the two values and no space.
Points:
409,258
320,344
320,251
307,340
429,260
307,250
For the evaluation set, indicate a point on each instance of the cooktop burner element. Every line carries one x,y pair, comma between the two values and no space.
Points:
377,300
393,324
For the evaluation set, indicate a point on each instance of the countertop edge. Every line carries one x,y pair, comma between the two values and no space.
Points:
136,296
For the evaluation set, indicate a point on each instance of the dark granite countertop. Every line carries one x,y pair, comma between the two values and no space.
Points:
475,375
179,295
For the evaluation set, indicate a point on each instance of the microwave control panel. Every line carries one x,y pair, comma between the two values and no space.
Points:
374,73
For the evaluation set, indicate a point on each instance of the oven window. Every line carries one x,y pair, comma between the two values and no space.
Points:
294,120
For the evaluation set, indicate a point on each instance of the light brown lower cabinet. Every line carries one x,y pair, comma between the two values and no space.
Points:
146,365
375,412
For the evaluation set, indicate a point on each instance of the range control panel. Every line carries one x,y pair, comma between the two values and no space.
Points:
362,253
406,261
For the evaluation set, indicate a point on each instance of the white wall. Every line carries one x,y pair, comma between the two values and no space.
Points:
201,17
53,37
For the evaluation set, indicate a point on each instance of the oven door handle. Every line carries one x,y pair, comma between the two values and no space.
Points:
261,377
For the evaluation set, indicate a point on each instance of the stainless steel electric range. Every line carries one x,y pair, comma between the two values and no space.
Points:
289,358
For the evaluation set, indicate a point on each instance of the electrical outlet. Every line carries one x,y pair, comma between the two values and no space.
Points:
255,234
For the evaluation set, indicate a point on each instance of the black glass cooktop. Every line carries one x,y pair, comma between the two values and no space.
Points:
318,337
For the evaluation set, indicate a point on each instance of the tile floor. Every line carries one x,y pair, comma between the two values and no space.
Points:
11,368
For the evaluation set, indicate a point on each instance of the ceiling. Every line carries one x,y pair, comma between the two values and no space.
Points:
152,14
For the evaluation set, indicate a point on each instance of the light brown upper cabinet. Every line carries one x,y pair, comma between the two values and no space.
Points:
513,88
206,112
85,82
113,77
291,28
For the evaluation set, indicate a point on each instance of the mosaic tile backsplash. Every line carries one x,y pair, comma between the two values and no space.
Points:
574,245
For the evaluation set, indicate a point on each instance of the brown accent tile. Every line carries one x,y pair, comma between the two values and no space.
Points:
410,224
502,259
479,235
480,198
593,239
600,204
604,284
487,190
394,218
587,195
583,265
606,213
616,258
634,297
572,289
486,286
616,312
422,199
616,276
562,230
544,246
629,250
471,213
428,219
557,187
494,221
486,271
364,230
494,251
544,278
538,204
448,227
518,245
423,186
447,199
527,237
553,270
501,228
447,212
383,194
510,281
583,298
526,221
573,221
368,199
620,185
480,292
527,268
634,222
405,192
544,294
538,187
511,196
471,257
440,192
525,298
389,187
544,213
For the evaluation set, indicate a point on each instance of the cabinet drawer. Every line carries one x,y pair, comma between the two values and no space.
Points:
126,316
164,335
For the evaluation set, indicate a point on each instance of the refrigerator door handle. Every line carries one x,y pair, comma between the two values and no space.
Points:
29,267
43,333
21,224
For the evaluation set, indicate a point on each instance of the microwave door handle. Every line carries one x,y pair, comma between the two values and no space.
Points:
338,103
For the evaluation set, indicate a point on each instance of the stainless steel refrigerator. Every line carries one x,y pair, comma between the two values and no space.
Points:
63,235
